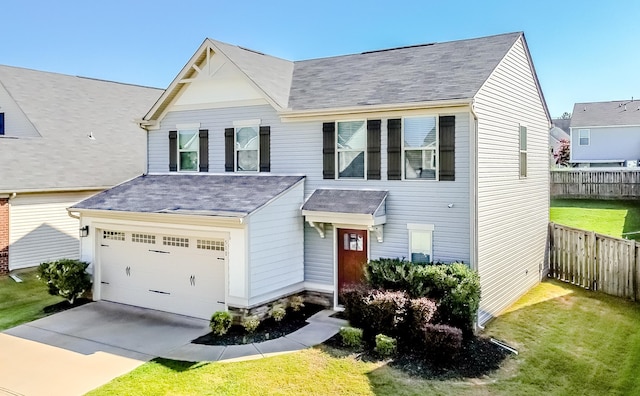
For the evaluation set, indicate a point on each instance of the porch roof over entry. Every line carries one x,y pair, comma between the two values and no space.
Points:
191,194
360,207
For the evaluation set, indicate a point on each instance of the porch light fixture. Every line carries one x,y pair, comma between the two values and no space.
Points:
84,231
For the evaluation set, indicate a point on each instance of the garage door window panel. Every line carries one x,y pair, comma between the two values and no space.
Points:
113,235
143,238
175,241
206,244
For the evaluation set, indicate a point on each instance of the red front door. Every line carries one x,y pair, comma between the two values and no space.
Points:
352,256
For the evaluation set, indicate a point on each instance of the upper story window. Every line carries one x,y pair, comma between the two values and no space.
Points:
351,145
523,151
247,145
584,136
420,148
188,150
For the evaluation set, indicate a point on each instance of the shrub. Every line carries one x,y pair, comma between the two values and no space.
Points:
220,322
351,336
384,312
277,312
250,323
420,313
353,298
441,342
296,303
66,278
385,345
455,287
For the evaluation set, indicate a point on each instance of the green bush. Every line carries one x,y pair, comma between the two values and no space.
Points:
296,303
455,287
351,336
220,322
250,323
277,312
385,345
66,278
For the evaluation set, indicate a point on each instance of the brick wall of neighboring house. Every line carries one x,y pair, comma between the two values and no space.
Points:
4,236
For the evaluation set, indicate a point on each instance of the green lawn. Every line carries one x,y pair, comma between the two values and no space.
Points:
571,342
23,302
614,218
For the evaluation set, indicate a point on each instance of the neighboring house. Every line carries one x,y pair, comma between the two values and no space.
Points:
268,177
559,131
62,139
606,134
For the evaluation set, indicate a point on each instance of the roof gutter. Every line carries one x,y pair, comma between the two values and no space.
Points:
302,114
55,189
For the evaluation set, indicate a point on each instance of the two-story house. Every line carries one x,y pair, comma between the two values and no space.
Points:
268,177
606,134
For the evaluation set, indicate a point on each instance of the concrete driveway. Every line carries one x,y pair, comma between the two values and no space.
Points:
74,351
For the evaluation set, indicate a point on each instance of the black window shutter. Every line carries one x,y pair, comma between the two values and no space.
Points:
373,149
329,150
173,151
204,150
265,149
1,123
229,149
447,144
394,149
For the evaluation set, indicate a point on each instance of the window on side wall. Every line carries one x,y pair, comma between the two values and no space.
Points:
420,243
351,144
523,151
420,147
247,143
188,150
584,136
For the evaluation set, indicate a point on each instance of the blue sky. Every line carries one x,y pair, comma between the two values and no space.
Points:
582,50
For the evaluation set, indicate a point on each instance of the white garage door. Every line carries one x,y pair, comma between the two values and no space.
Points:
172,273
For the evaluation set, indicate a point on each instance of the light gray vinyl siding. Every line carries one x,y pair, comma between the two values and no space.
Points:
512,212
296,148
607,144
276,244
16,123
40,228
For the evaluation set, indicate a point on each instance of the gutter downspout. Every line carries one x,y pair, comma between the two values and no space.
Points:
473,197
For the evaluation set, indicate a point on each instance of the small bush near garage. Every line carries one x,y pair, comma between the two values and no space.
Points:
250,323
67,278
455,287
220,322
296,303
385,345
277,312
351,337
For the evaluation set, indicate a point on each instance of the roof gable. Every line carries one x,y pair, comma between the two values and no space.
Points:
255,72
614,113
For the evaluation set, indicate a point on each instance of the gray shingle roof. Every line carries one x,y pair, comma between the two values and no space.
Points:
440,71
619,112
196,194
345,201
64,110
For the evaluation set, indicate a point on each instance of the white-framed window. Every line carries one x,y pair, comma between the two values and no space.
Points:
420,243
188,140
420,147
247,143
351,148
584,137
523,150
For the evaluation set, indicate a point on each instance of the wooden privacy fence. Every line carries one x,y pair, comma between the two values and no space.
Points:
595,184
594,261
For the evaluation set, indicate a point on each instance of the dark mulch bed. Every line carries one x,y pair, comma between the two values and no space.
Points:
478,357
64,305
268,329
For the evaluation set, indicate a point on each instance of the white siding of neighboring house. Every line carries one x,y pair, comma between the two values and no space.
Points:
40,228
296,148
276,247
614,144
16,123
512,213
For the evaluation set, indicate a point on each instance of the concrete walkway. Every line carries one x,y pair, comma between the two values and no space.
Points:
75,351
321,327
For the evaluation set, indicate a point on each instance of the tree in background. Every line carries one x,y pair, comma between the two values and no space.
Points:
565,116
562,154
